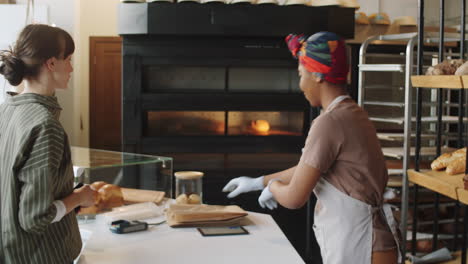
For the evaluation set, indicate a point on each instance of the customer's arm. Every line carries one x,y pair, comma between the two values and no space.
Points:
39,176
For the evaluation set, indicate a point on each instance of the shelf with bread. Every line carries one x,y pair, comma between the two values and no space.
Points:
438,181
449,74
440,81
446,176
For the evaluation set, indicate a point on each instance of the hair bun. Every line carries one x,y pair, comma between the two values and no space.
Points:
12,67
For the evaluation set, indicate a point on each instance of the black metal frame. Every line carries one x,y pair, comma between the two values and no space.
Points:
439,127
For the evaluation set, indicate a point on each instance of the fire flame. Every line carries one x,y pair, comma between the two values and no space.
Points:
260,126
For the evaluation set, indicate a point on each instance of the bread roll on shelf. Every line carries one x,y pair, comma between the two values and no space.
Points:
455,162
445,159
457,166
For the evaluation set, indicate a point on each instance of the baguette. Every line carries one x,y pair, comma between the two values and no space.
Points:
457,166
445,159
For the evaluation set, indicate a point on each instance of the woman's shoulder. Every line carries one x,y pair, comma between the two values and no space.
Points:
346,110
36,117
326,117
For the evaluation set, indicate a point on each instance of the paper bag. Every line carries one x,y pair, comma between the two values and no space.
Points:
204,215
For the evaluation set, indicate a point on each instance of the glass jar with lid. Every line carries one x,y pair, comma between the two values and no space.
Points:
189,187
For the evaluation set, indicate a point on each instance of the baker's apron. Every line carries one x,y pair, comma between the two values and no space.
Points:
343,226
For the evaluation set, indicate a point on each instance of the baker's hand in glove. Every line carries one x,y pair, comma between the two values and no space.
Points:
266,198
242,185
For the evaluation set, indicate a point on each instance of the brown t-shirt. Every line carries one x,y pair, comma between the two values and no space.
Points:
342,144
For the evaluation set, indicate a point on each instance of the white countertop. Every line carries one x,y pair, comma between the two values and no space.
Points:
266,243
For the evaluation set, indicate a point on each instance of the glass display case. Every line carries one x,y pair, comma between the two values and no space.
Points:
124,169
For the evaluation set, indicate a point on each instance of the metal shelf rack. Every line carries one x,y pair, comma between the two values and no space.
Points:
438,82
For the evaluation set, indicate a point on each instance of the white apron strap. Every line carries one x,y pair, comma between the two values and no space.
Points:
393,227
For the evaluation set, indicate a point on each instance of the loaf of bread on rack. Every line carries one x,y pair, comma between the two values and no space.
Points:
379,19
447,67
445,159
462,70
457,166
361,18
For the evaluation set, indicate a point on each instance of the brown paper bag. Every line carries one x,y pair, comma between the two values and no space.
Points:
204,215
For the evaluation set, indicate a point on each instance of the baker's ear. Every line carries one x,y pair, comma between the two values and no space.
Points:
318,79
50,64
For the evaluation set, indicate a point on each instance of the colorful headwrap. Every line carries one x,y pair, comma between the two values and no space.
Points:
323,53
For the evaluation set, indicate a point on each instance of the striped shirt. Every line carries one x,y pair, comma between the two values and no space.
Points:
35,170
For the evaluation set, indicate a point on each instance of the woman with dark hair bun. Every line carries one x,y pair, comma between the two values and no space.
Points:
38,223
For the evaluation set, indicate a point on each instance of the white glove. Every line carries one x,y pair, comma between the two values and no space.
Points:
266,198
242,185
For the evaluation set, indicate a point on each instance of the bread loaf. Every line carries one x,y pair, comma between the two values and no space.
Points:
462,70
457,166
110,196
97,185
361,18
379,19
447,67
445,159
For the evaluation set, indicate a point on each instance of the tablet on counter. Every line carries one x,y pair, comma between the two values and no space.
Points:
223,231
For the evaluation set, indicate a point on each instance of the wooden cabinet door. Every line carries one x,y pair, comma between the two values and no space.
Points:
105,100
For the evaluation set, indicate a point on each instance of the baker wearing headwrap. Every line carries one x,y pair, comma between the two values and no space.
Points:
341,162
323,53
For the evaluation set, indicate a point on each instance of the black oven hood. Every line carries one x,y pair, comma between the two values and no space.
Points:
217,19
